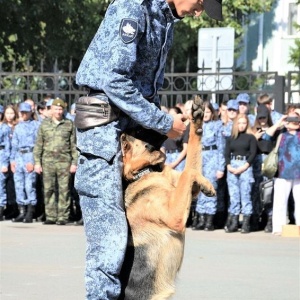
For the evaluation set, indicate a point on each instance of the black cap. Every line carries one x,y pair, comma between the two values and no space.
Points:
213,8
262,111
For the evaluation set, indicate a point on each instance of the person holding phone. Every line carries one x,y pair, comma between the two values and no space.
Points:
265,144
288,177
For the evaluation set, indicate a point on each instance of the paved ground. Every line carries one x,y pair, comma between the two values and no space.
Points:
47,262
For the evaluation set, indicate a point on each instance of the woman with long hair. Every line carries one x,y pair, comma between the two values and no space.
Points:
10,120
240,152
213,165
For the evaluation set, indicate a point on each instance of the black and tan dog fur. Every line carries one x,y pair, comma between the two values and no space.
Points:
157,208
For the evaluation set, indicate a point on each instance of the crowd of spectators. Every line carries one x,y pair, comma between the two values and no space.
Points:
235,144
38,161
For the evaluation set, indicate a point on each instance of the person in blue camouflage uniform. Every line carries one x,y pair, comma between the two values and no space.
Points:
243,100
125,60
229,110
22,164
4,162
213,165
10,119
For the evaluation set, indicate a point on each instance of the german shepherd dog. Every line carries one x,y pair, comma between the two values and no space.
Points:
157,207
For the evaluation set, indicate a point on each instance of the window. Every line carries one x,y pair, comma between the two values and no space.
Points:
292,18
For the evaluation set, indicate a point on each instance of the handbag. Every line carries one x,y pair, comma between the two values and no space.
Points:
270,163
266,191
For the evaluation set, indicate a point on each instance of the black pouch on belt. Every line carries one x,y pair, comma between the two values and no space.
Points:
94,110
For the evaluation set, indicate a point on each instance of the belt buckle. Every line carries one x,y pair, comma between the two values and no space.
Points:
239,157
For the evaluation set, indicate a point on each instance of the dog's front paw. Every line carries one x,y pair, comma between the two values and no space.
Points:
208,189
197,113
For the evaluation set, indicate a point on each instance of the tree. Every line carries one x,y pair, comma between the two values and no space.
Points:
54,29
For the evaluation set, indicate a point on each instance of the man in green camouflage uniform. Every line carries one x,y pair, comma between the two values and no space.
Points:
55,156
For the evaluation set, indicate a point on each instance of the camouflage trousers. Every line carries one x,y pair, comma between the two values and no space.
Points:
3,177
25,182
239,188
57,175
99,185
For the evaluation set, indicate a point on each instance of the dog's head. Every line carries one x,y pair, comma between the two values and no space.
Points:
141,149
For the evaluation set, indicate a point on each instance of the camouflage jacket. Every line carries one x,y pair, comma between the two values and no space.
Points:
4,145
24,136
55,143
126,59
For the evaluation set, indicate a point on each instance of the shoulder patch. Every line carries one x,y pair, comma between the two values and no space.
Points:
128,30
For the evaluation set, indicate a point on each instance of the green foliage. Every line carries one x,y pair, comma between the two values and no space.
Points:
54,29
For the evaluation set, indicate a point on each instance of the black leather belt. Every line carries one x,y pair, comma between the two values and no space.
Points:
28,150
94,92
238,157
206,148
173,151
2,147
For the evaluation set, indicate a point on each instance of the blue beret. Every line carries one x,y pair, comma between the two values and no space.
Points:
25,107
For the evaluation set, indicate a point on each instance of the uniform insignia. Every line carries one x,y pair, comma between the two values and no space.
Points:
128,30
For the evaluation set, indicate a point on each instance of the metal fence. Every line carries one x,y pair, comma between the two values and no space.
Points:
178,87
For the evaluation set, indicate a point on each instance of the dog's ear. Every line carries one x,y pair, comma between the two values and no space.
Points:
125,145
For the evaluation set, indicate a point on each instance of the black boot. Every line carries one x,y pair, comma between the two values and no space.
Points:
29,214
228,221
246,224
209,224
22,213
255,222
1,213
269,226
195,220
11,211
234,224
201,222
79,223
219,220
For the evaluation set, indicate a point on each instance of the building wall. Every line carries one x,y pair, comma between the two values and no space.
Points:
268,39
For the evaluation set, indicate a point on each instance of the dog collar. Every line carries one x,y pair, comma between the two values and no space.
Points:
141,173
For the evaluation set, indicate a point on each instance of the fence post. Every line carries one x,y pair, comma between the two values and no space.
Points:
279,93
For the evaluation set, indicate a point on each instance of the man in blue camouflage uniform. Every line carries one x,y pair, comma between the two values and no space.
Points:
126,61
4,162
22,164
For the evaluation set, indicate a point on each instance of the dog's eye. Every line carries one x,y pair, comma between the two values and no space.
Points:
149,147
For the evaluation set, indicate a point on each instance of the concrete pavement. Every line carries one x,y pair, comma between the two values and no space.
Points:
47,262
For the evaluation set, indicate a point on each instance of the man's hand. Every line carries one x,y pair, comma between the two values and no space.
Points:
4,169
178,127
73,169
29,167
13,166
38,169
